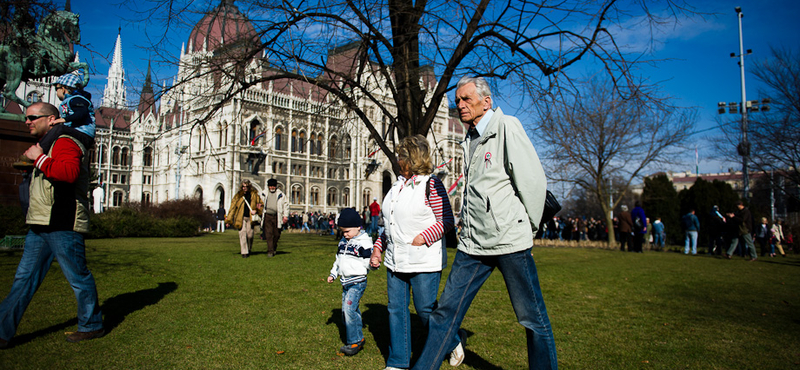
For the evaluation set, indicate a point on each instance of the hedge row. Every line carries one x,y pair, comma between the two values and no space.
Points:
178,218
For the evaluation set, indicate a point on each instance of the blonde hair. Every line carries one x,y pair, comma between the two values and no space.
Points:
414,150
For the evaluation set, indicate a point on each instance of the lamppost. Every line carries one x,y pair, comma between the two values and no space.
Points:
743,148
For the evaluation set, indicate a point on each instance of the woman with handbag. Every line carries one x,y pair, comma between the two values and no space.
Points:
242,215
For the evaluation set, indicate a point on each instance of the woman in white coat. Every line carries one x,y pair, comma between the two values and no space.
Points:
417,215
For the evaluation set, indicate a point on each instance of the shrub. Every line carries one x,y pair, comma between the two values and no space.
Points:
177,218
12,221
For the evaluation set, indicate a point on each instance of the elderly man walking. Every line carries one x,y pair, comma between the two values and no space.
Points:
502,207
58,214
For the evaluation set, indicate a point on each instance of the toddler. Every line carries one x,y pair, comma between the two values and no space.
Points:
352,264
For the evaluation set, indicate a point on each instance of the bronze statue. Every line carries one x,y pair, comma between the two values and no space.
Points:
45,53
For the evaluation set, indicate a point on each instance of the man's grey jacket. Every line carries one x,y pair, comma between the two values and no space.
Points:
504,191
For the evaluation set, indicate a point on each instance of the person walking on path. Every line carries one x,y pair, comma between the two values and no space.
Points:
244,205
744,224
716,232
374,213
352,265
58,215
417,212
639,226
276,214
659,234
625,229
777,238
503,201
763,232
691,225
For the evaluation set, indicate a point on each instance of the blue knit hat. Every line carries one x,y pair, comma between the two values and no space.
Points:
69,80
349,218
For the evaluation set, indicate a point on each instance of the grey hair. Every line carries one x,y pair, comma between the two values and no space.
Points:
481,86
624,208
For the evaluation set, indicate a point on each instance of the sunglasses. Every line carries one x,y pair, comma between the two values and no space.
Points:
35,117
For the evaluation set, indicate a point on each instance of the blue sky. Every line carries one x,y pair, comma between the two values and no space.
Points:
696,68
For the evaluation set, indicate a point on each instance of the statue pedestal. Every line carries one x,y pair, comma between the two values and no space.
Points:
15,139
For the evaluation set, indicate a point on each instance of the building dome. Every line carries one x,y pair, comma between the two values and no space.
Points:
225,25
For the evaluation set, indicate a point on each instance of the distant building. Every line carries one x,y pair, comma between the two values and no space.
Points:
299,134
685,180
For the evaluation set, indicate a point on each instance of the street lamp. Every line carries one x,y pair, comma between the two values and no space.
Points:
743,149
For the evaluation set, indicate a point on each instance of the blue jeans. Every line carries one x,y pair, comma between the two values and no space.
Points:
658,239
425,286
691,240
68,249
373,225
466,277
351,297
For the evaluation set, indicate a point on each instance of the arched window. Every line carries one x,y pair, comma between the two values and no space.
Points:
93,154
347,147
278,138
346,196
332,196
319,144
297,194
365,197
332,147
313,196
301,142
115,156
117,198
146,199
147,157
294,141
123,160
253,131
312,147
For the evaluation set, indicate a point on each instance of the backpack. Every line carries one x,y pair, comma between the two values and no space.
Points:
450,237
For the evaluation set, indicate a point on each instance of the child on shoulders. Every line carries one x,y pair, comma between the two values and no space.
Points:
77,111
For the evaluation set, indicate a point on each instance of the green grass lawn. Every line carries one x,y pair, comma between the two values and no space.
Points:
194,303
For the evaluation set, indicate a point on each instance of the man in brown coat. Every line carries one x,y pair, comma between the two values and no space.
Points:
625,229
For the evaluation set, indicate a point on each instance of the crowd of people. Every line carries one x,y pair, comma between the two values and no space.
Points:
575,228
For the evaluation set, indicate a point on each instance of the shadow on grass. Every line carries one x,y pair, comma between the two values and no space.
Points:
114,310
375,317
779,261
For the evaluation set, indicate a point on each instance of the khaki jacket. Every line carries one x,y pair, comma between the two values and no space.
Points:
50,200
236,213
505,190
283,206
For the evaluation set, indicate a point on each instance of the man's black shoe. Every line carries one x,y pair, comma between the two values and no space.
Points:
85,335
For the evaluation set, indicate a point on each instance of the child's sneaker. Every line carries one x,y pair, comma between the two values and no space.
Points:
352,349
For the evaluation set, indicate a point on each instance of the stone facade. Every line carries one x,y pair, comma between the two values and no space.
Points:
315,147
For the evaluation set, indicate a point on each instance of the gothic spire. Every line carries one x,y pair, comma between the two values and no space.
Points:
147,101
114,94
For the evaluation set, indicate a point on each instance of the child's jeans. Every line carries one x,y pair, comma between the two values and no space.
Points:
351,297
